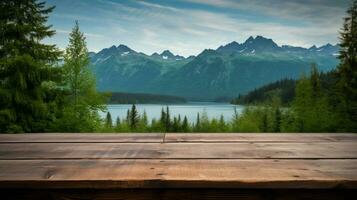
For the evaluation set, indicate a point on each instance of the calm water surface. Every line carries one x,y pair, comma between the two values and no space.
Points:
213,110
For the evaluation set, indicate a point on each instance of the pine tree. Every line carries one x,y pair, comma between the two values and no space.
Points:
83,101
347,71
198,123
144,119
167,120
222,124
134,118
128,116
185,127
28,77
109,121
117,124
310,107
143,124
175,125
163,118
264,125
315,82
277,120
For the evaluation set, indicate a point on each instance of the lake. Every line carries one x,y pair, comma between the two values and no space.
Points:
190,109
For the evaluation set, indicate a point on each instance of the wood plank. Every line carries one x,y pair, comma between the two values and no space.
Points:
177,150
261,137
179,194
82,138
205,173
176,137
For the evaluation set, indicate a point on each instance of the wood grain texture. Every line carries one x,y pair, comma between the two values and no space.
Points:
179,173
261,137
178,166
82,138
177,150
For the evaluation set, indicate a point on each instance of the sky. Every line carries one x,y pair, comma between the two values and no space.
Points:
187,27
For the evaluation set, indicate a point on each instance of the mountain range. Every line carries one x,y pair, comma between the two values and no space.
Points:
231,69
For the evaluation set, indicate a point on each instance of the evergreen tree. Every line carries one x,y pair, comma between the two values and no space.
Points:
315,82
109,121
185,126
235,120
204,122
128,116
167,120
264,125
143,122
175,125
144,118
163,117
347,71
83,101
117,124
222,124
277,120
134,118
179,124
310,107
198,123
28,80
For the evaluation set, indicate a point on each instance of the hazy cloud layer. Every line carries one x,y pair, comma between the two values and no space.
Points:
187,27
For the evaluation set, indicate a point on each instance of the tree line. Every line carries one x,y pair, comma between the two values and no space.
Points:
253,119
143,98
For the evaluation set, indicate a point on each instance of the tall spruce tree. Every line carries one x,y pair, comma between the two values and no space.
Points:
185,126
347,71
198,123
109,121
27,74
277,120
167,120
163,117
117,123
83,101
134,117
310,107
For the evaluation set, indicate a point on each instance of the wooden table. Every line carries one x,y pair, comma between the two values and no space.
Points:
178,166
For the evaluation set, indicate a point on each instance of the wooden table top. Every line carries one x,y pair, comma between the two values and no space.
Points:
107,161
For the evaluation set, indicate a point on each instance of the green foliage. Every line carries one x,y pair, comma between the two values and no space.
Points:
346,102
185,126
109,121
28,100
277,120
82,101
133,118
249,121
143,122
284,90
311,109
167,120
140,98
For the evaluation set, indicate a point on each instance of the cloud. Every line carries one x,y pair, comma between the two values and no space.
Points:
313,10
194,25
86,34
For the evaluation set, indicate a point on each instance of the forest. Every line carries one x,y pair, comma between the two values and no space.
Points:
44,89
142,98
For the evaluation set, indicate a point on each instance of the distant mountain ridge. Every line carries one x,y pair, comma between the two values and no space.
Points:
261,44
227,71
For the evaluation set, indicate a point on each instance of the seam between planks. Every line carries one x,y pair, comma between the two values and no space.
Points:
148,158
